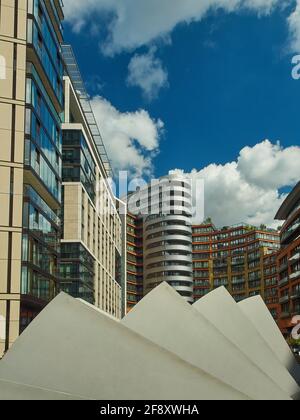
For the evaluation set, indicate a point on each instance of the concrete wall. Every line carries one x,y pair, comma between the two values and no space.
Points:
256,311
13,391
76,349
222,311
166,319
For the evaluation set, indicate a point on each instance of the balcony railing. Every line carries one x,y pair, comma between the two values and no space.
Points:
283,267
284,299
283,282
295,275
296,257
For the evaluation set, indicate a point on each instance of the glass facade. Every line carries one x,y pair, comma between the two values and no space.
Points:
43,143
77,271
40,247
42,162
78,163
42,36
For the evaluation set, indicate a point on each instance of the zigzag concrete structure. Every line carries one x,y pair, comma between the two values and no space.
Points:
256,311
182,330
222,310
155,353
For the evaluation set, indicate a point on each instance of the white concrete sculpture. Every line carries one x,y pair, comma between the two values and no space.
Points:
164,349
256,311
225,314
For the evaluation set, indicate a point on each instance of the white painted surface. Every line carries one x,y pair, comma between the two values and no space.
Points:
72,348
221,309
166,319
10,391
257,312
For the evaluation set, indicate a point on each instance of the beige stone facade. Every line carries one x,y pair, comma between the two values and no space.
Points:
93,223
13,24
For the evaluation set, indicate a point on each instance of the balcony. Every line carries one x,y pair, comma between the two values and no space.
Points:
296,257
284,299
241,281
283,267
283,282
239,298
295,295
221,265
295,275
288,234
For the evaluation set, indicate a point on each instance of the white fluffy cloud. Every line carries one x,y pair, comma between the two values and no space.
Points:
135,23
248,189
294,24
131,139
147,72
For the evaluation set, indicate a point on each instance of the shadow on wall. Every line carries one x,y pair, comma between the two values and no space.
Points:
2,68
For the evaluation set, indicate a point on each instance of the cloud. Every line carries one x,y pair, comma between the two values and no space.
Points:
131,138
256,164
248,189
294,25
147,72
134,23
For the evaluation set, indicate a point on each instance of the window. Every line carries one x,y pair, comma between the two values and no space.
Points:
38,130
36,216
40,42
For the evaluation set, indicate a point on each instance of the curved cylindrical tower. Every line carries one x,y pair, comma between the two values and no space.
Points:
168,235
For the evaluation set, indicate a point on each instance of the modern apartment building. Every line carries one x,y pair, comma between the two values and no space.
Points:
289,260
135,261
91,247
159,238
44,118
241,258
31,102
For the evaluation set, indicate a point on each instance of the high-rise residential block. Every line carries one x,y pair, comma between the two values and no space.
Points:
163,211
289,260
241,258
135,260
164,246
91,249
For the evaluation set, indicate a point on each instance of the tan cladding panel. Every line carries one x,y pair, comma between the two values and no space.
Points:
12,80
14,247
11,202
9,313
13,23
72,212
12,133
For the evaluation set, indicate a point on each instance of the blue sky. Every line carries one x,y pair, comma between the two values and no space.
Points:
223,83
